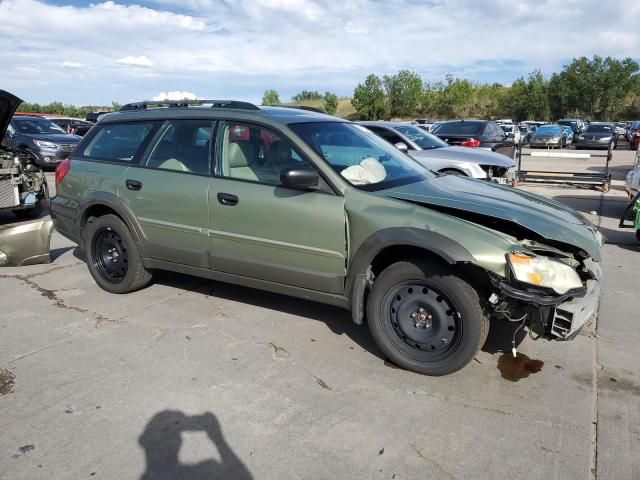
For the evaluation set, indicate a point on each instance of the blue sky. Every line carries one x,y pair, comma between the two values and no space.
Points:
84,52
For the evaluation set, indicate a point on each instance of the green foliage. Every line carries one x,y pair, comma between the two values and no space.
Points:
270,97
305,96
369,99
404,92
58,108
330,103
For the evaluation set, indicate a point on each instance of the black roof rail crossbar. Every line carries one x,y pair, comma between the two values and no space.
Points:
232,104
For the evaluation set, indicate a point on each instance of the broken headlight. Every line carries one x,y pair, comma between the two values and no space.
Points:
543,272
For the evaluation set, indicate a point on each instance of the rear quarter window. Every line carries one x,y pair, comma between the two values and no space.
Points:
120,143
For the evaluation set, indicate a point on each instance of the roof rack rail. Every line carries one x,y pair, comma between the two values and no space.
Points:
231,104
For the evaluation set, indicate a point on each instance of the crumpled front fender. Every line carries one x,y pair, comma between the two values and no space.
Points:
25,243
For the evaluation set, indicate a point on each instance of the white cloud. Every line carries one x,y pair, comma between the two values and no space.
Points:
175,95
72,65
239,48
141,61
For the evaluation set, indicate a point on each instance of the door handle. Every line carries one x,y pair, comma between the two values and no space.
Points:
134,185
227,199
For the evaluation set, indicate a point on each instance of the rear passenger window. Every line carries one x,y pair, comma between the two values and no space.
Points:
183,146
117,142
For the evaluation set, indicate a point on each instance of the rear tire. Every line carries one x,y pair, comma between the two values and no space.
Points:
113,257
425,318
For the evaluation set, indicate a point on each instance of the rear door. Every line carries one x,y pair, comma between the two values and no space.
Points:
167,192
263,230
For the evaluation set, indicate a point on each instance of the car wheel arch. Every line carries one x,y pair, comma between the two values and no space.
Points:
387,246
104,203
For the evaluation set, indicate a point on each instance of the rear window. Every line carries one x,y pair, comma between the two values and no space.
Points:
458,128
599,128
117,142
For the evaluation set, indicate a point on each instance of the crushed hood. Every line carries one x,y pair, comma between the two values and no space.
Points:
467,154
8,105
549,219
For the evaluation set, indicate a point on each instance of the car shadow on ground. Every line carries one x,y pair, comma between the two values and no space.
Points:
338,320
162,440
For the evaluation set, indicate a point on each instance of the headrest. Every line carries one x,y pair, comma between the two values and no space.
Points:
241,154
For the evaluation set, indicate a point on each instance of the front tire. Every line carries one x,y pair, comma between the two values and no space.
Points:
113,257
426,318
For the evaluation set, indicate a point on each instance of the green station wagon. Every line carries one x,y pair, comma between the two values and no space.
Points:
301,203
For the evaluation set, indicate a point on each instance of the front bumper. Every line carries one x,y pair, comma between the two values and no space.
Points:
51,156
569,317
562,316
593,144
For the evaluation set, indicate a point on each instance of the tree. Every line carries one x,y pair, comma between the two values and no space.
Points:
368,99
330,103
404,92
270,97
306,95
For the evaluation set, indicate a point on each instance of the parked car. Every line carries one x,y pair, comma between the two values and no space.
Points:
476,133
621,129
632,182
526,131
598,136
48,142
568,134
438,156
633,134
512,131
577,125
548,136
23,185
72,125
309,205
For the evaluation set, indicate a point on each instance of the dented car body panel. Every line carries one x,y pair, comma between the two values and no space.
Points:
25,243
322,243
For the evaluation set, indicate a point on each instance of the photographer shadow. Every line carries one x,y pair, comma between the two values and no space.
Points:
162,439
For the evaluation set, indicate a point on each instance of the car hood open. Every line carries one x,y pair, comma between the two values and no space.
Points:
8,105
466,154
547,218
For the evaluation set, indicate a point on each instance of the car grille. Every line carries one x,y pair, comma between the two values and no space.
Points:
68,147
8,194
494,171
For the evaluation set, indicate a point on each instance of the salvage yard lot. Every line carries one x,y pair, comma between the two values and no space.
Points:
206,380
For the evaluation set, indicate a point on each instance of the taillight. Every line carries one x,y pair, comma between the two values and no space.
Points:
62,169
472,142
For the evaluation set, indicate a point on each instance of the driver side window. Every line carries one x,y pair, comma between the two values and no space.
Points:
253,153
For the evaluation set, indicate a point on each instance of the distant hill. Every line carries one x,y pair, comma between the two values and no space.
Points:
345,109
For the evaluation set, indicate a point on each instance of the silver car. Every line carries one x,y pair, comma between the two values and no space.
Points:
438,156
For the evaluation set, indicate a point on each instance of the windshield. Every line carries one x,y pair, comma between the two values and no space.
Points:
570,123
424,140
599,128
549,130
37,126
458,128
362,158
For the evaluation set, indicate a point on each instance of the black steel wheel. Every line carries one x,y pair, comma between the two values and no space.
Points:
426,318
113,257
423,318
110,256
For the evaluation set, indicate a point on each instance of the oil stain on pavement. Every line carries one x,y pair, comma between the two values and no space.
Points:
519,367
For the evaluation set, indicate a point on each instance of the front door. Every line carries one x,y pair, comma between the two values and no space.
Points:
262,230
168,191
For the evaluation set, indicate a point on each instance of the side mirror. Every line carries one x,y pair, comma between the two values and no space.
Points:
300,178
401,146
511,135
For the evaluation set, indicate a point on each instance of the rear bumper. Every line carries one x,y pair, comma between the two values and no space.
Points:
63,217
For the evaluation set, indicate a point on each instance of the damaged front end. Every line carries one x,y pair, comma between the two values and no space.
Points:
552,314
23,185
